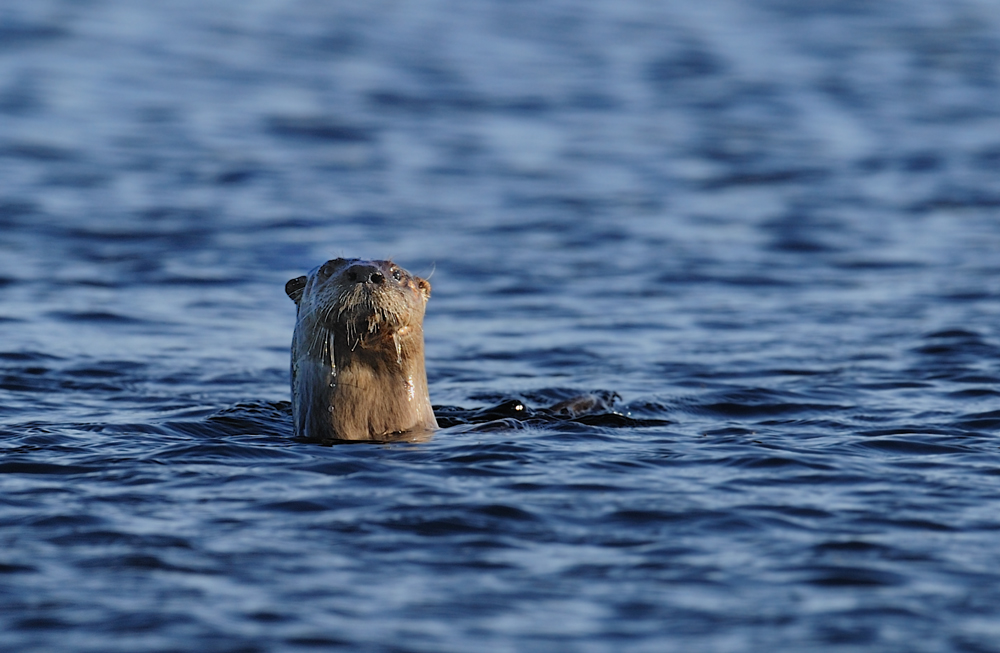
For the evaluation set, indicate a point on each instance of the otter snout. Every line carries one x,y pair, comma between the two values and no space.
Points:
361,273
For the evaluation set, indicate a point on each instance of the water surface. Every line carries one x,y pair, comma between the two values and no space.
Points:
771,227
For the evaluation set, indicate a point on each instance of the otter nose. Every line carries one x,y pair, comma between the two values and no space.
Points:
364,274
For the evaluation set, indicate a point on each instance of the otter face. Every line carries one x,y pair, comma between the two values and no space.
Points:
357,356
362,300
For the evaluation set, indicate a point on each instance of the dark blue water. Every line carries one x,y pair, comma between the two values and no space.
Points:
772,227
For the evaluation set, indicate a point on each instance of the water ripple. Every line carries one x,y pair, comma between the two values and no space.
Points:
713,338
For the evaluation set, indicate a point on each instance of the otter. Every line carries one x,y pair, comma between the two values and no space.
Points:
358,352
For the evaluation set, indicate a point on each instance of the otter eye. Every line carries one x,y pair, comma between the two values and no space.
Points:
330,267
397,274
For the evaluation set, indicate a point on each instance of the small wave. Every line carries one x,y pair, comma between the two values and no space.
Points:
318,128
34,468
99,317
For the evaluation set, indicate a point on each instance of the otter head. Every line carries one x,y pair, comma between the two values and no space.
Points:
358,352
362,303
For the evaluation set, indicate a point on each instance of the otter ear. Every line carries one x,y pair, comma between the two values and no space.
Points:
424,286
295,287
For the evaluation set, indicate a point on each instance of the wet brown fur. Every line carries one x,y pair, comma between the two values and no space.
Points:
358,352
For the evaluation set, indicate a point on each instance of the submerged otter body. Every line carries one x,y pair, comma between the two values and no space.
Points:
358,352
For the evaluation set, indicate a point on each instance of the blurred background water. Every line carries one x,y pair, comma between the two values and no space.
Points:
770,226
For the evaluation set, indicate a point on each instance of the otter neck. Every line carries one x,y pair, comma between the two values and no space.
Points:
378,386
